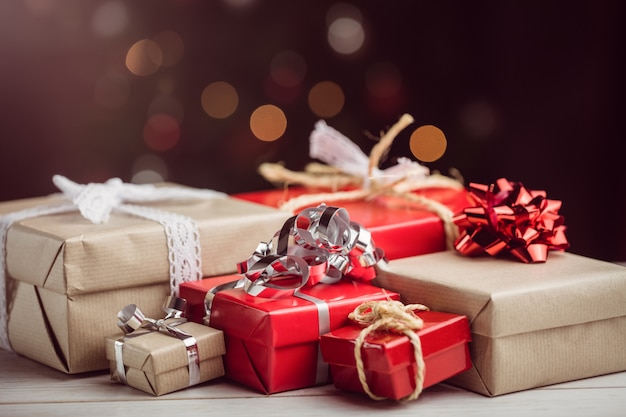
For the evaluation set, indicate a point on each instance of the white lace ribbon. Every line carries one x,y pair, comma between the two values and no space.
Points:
96,202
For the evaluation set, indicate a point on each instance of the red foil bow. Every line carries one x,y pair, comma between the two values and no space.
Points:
510,218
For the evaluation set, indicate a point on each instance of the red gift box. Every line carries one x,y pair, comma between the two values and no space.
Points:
401,228
195,292
389,360
272,343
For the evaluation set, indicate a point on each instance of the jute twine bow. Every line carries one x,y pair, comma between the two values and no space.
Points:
392,316
375,184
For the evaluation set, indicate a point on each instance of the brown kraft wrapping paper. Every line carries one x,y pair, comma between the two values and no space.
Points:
532,324
157,363
67,276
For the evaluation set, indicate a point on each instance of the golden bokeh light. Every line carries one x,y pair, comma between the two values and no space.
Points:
172,47
144,57
219,99
428,143
268,123
326,99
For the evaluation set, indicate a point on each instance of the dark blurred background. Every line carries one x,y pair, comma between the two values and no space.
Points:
166,90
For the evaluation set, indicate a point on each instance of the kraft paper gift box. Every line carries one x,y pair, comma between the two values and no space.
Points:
158,363
64,273
401,228
388,358
532,324
272,343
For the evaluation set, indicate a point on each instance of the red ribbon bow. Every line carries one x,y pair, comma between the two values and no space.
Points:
510,218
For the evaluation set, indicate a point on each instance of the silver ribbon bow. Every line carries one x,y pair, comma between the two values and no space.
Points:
131,319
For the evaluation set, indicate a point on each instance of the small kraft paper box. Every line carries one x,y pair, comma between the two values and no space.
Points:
532,324
388,358
400,227
272,344
160,362
65,273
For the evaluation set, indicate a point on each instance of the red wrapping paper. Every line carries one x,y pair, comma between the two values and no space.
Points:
272,344
400,228
389,360
195,292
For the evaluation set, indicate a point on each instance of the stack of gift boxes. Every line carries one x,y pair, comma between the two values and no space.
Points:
382,288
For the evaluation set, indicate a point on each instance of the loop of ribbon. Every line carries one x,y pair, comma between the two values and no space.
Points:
390,316
509,218
352,175
131,320
318,245
96,202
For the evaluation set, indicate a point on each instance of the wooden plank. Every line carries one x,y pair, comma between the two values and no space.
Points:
28,388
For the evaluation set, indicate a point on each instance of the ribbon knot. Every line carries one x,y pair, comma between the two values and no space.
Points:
131,319
389,315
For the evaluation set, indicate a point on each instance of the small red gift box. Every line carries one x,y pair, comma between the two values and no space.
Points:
401,228
272,343
195,292
388,358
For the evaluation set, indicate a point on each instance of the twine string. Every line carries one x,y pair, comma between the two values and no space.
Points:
392,316
376,183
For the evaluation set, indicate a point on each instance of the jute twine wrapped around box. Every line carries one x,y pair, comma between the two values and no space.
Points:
349,167
390,316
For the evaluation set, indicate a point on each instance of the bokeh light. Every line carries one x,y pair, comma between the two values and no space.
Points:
161,132
288,69
428,143
383,80
326,99
112,90
345,28
219,99
172,47
149,168
144,57
479,119
110,19
268,123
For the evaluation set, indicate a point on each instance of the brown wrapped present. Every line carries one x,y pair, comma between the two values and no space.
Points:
65,272
162,356
532,324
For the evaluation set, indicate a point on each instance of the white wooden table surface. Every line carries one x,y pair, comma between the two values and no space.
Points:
30,389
